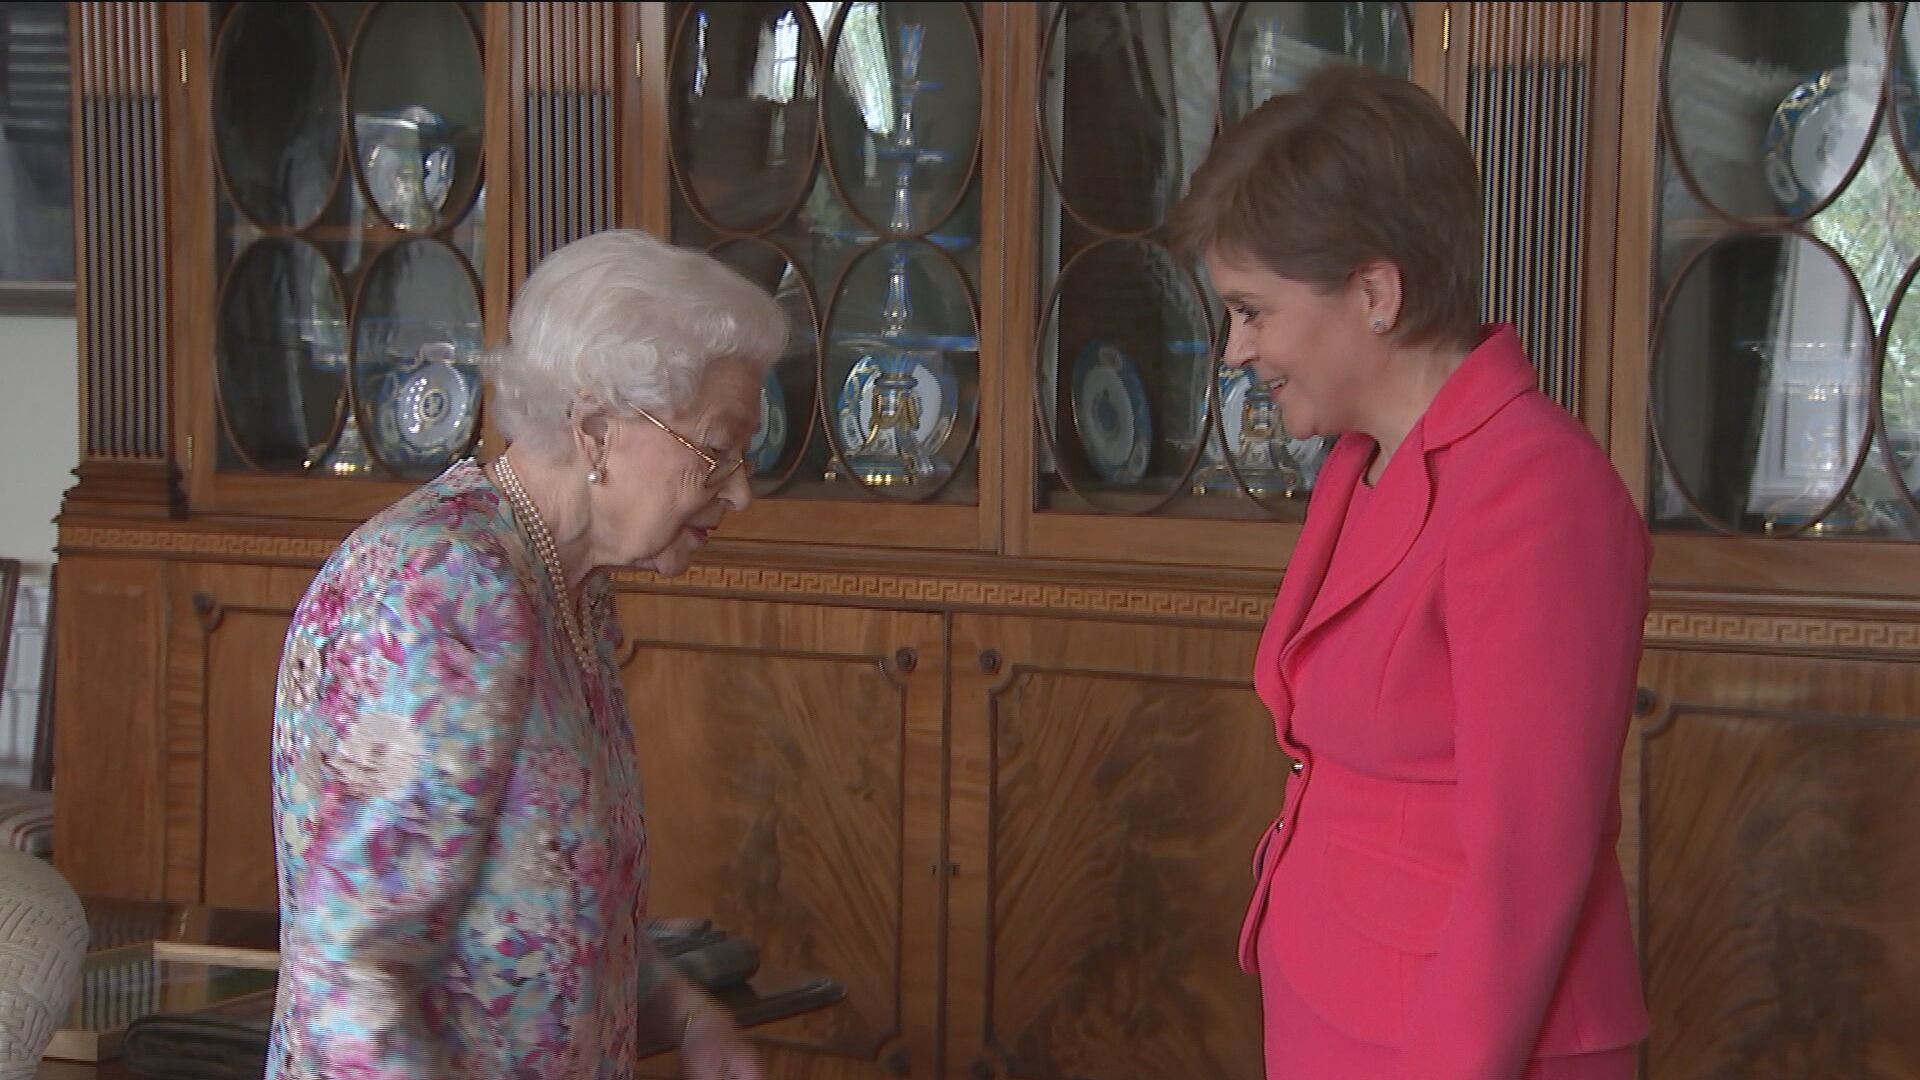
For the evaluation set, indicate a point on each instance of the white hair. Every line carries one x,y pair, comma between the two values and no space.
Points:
623,321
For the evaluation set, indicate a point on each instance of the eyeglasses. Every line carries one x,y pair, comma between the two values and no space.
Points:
719,470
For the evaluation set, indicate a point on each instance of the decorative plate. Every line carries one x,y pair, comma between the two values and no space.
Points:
933,385
427,414
1817,132
1110,412
770,439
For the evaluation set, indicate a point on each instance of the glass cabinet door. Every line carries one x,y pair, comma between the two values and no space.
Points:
831,152
348,215
1785,375
1134,415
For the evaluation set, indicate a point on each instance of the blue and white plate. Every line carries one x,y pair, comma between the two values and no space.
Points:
934,386
1111,414
426,414
770,440
1819,129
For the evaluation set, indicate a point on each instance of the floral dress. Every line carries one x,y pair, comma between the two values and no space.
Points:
457,817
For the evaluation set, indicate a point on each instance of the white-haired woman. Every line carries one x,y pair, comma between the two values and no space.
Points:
462,855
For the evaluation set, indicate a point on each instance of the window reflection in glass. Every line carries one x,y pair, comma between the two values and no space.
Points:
36,139
1788,224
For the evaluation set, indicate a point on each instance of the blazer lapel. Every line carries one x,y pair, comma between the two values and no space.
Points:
1393,521
1493,374
1308,566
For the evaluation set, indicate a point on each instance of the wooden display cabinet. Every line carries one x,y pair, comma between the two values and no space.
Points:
959,711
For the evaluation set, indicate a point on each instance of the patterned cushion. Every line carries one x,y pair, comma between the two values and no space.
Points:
43,936
26,820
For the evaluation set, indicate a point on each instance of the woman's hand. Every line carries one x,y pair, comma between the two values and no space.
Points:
711,1048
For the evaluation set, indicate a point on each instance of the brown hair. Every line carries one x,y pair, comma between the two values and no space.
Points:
1352,167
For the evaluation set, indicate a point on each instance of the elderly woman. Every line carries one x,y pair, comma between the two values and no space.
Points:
1451,657
462,851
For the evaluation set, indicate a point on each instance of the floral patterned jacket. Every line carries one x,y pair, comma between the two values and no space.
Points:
462,856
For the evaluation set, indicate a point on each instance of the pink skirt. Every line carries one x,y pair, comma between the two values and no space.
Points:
1302,1046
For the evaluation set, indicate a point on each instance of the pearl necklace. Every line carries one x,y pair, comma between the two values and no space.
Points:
549,554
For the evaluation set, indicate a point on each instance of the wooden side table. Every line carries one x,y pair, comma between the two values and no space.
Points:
246,937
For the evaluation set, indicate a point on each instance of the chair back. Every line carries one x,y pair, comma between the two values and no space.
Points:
9,592
42,776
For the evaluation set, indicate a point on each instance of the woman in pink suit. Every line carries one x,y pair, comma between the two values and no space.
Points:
1450,661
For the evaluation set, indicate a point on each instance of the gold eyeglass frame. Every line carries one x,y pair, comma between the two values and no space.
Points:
719,470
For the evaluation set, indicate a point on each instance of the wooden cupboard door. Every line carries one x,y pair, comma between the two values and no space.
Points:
110,748
1109,783
228,626
792,760
1770,825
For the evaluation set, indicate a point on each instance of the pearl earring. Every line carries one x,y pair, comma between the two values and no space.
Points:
595,477
1379,326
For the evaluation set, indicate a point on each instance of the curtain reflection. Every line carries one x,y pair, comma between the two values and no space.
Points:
36,178
1817,355
1139,81
861,67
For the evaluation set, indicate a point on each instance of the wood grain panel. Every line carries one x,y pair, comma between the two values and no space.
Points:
120,256
1880,569
1529,115
1017,35
1537,90
242,660
645,177
1635,179
227,625
1109,784
1174,541
502,246
791,757
568,61
1431,24
193,288
119,213
1772,822
109,787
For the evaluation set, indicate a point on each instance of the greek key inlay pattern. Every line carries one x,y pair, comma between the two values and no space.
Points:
1733,630
1824,634
855,586
964,592
200,544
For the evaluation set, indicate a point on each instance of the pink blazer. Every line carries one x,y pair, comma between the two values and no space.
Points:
1455,695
